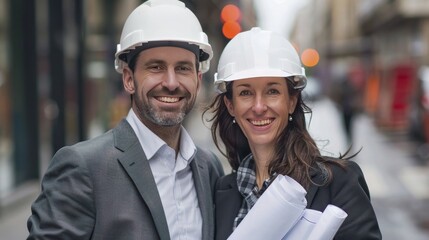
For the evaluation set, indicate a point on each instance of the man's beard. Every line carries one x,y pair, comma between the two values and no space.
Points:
163,118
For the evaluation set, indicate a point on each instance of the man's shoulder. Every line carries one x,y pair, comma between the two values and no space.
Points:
204,154
99,145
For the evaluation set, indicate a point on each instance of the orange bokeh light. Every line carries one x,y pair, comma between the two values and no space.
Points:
230,29
230,12
310,57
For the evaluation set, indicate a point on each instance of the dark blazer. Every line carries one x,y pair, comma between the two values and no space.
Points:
103,188
348,190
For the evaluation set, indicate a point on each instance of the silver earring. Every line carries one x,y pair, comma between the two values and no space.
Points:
233,120
290,118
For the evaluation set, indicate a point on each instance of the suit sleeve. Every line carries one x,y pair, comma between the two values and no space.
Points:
350,192
65,207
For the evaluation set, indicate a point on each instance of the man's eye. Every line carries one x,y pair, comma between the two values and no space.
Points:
155,67
183,68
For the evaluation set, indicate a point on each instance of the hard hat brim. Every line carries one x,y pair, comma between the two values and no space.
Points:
252,73
300,81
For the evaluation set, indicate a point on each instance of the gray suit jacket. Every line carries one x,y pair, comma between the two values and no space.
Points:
103,188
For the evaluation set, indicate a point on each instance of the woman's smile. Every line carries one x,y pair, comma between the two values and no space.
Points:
261,122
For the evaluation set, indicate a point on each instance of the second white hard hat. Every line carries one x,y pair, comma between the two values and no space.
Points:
163,22
259,53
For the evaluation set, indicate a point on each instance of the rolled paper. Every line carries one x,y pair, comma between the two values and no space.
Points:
328,224
304,226
278,209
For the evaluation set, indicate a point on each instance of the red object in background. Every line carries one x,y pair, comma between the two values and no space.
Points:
402,85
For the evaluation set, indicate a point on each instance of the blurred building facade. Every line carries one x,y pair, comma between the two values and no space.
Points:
58,85
379,47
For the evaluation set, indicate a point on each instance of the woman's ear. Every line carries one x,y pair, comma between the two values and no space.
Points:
128,80
229,106
292,103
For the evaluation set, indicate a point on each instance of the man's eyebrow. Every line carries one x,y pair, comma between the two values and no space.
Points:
159,61
184,62
152,61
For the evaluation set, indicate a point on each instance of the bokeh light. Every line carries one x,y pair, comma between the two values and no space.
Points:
230,16
230,12
310,57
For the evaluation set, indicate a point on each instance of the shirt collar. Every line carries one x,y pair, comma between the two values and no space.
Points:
151,143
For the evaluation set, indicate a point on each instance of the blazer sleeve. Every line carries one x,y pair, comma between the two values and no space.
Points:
64,208
350,192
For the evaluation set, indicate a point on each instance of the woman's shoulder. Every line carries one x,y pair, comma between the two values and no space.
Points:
349,191
345,168
347,174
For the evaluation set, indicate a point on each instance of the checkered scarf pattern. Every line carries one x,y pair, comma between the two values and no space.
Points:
246,181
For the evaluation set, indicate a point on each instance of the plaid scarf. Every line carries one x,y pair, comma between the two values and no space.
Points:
246,181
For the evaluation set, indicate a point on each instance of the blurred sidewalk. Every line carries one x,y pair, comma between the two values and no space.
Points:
14,211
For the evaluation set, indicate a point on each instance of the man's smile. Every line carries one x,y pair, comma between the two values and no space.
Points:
168,99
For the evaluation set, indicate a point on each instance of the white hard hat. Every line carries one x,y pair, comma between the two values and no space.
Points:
259,53
163,23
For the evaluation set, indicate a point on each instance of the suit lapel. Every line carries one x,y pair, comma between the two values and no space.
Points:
310,194
137,167
202,185
316,177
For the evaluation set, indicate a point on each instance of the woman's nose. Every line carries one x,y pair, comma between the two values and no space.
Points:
259,105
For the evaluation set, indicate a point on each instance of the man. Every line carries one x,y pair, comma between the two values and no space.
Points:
144,179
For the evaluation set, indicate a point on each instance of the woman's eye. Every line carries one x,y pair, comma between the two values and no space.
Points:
273,91
245,93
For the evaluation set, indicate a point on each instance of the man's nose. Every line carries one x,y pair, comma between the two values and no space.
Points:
170,80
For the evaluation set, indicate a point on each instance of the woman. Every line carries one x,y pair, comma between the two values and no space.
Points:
259,117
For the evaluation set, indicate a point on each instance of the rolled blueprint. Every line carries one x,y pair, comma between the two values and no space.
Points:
278,209
304,226
328,224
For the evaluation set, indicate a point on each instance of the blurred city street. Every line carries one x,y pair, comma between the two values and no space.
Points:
398,183
366,63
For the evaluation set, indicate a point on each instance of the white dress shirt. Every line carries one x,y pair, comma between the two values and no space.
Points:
173,177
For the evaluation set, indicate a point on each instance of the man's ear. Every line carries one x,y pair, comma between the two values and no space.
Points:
229,106
200,80
128,80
